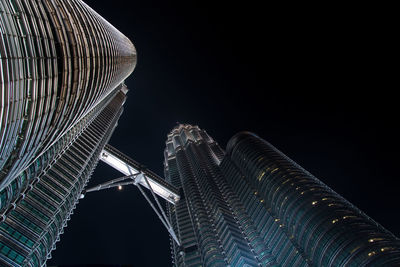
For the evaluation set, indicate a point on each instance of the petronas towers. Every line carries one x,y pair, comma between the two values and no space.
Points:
62,75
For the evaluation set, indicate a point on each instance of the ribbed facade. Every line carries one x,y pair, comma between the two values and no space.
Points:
209,219
12,193
32,227
299,217
61,72
59,59
253,206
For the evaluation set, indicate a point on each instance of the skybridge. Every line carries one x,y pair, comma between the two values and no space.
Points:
138,175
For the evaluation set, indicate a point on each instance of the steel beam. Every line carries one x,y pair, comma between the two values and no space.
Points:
129,167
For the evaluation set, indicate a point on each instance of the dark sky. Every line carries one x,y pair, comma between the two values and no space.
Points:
315,81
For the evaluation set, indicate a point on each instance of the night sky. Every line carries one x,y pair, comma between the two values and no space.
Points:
315,81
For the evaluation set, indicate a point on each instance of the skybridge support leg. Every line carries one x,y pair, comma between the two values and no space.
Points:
164,221
140,176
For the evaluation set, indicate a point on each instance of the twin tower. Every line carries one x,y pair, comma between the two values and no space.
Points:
62,92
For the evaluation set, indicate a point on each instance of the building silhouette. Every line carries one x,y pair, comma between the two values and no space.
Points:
253,206
62,72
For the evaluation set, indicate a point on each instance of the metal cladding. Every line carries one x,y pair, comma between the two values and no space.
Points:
255,206
130,167
59,59
31,228
326,229
62,70
208,219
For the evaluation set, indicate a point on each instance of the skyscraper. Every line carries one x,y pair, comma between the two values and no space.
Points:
59,60
62,72
254,206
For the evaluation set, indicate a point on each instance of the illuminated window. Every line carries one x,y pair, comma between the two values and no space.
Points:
348,216
261,176
274,170
374,239
355,249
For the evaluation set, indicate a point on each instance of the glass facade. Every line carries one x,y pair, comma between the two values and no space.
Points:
31,227
209,219
61,72
59,59
254,206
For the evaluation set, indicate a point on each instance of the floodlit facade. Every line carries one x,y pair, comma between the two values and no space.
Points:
253,206
62,70
59,60
31,227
